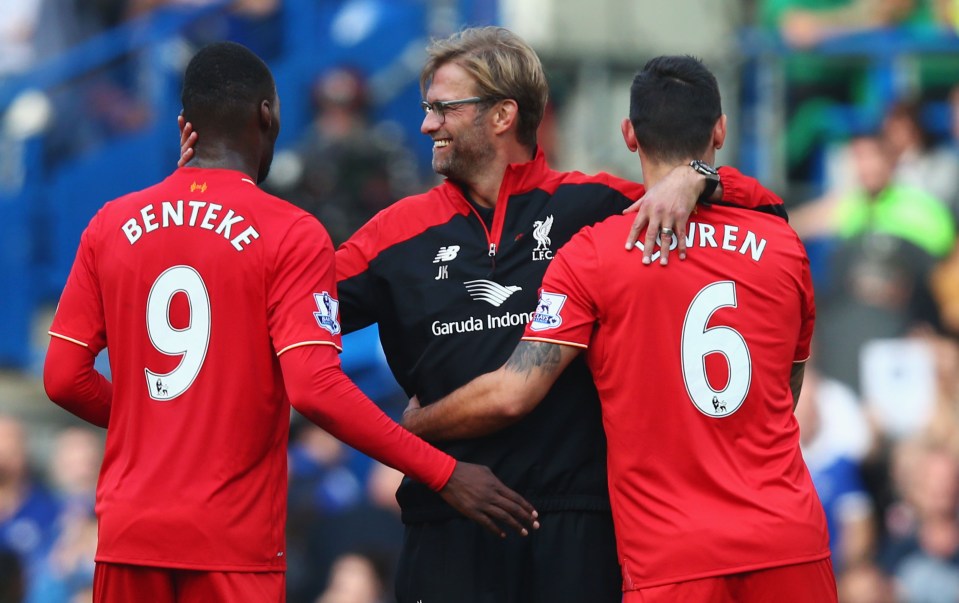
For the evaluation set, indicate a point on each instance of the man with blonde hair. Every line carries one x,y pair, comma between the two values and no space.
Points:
711,499
451,277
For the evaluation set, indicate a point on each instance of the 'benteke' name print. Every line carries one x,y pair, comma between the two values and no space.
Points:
196,214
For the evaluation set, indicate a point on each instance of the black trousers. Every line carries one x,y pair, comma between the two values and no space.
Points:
570,559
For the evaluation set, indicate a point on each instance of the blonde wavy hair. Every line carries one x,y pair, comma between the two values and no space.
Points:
503,66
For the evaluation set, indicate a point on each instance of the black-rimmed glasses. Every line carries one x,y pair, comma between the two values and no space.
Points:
439,107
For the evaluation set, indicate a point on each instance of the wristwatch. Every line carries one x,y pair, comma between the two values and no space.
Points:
712,178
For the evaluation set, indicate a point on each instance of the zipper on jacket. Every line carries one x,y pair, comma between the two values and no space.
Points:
495,231
489,237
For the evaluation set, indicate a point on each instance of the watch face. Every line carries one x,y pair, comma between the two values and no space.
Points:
704,168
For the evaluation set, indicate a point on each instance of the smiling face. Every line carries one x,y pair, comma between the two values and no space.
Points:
462,143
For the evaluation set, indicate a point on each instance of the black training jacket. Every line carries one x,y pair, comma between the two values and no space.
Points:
452,297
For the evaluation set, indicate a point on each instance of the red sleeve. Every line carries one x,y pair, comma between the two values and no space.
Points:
319,389
743,191
567,310
72,383
80,316
303,304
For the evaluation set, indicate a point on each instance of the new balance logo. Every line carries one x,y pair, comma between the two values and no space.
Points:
490,292
446,254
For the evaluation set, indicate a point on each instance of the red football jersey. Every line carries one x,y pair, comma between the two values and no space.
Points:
196,285
692,362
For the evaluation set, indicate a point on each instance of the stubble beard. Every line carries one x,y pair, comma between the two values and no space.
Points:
471,153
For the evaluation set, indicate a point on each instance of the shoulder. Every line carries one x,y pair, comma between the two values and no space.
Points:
408,218
742,225
437,204
599,238
622,186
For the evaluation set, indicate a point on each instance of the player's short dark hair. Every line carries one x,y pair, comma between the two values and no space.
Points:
673,106
223,83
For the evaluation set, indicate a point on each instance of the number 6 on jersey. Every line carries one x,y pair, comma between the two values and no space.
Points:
700,341
190,342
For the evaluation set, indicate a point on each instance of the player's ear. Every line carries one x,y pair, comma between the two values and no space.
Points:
629,135
719,132
266,114
505,114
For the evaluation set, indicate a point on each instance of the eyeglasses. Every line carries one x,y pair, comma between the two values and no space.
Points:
440,107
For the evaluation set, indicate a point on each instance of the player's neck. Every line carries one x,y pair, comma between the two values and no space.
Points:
484,185
654,171
224,157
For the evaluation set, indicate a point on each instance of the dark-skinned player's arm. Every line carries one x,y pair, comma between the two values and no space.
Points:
494,400
318,388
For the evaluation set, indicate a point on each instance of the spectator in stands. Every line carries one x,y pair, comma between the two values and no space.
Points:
890,238
920,163
943,426
817,85
19,20
356,578
945,287
101,103
371,523
946,276
925,561
67,572
372,526
257,24
28,511
348,168
322,485
835,436
866,583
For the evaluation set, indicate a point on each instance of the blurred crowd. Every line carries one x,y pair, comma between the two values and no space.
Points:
344,530
112,100
879,414
345,167
32,31
343,533
824,91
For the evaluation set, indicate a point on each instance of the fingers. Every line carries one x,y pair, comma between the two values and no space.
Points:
680,229
484,520
502,510
519,508
638,223
181,124
508,518
652,234
656,226
478,494
188,140
185,157
665,242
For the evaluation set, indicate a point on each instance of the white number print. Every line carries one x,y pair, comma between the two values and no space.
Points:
190,342
700,341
